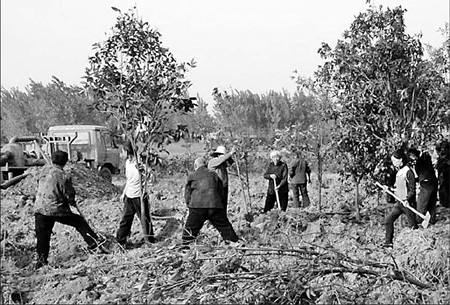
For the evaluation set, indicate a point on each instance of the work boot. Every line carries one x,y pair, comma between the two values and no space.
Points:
388,245
41,261
38,265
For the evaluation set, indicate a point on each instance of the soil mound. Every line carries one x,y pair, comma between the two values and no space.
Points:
87,183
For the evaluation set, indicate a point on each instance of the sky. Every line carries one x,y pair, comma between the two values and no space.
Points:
241,44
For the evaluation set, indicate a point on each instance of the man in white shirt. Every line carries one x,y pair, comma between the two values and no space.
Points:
131,198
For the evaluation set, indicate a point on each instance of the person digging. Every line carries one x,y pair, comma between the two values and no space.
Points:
131,198
219,163
203,196
278,190
405,190
54,197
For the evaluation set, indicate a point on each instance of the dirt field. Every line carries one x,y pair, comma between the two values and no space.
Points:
302,256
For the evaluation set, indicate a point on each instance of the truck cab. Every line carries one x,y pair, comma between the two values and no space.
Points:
89,143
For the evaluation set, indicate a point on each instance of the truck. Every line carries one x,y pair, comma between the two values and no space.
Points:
92,144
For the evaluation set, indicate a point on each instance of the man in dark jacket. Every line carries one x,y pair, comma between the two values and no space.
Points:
203,196
300,174
277,170
53,199
428,183
443,169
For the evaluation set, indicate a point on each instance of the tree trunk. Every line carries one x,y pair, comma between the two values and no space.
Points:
141,198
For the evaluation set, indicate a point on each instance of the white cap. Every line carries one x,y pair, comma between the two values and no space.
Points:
221,150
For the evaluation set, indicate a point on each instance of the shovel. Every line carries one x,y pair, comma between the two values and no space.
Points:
276,192
426,217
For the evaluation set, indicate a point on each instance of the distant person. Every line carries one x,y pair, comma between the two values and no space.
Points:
203,197
300,174
427,180
277,170
443,169
131,197
405,189
219,163
54,196
12,153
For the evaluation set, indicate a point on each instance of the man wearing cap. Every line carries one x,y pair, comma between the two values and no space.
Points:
203,196
219,163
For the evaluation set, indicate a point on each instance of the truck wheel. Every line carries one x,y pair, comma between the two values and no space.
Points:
106,174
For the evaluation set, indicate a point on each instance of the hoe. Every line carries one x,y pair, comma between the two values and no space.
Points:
426,217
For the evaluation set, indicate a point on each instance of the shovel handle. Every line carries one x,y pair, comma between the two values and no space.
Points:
276,192
401,201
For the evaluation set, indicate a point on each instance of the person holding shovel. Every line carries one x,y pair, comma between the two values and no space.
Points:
203,197
219,163
131,197
278,189
405,189
54,197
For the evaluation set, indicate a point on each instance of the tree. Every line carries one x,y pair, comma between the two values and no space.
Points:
136,80
43,105
382,90
440,61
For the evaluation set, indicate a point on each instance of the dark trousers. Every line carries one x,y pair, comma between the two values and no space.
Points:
225,198
217,217
444,193
44,226
131,207
398,210
296,190
271,200
426,200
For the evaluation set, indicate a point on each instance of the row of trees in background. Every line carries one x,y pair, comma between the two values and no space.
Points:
375,90
40,106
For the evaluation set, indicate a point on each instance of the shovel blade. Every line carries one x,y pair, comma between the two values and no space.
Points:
426,220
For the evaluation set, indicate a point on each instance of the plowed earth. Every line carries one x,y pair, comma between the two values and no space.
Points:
302,256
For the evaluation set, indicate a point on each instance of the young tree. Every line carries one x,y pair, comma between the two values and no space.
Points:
383,90
136,80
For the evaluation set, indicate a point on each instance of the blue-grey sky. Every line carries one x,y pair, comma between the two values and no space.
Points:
242,44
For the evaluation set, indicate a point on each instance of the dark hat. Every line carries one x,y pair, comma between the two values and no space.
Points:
414,152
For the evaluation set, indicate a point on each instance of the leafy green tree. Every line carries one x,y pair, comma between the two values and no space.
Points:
14,114
136,80
40,106
383,90
440,62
